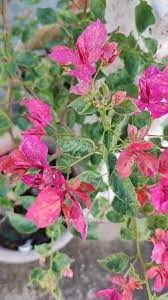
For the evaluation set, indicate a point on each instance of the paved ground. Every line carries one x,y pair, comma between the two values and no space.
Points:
87,279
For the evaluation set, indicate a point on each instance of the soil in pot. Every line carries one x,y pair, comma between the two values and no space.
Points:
11,239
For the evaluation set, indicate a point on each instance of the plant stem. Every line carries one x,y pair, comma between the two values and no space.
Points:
6,48
85,7
9,110
9,99
98,69
104,119
52,254
140,258
5,24
81,159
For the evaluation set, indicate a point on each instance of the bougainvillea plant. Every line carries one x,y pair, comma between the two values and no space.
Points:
53,89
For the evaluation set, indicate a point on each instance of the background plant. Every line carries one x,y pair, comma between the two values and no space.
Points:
29,72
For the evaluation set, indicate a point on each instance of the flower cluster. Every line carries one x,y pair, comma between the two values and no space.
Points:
159,191
153,91
149,166
156,193
137,153
125,291
56,194
160,256
91,47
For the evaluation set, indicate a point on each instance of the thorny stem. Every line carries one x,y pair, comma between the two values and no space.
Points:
140,258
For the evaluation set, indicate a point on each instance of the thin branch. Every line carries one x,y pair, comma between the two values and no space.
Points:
5,24
140,258
9,99
85,7
9,109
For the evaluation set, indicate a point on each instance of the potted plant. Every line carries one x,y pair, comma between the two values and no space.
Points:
55,83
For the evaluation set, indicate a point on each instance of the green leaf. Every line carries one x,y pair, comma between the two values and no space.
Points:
165,132
64,163
96,159
27,59
143,16
126,107
21,188
163,297
46,15
30,2
56,230
37,275
26,201
98,7
12,67
71,118
125,201
136,177
82,107
158,221
4,122
77,147
132,90
57,293
151,45
143,230
127,233
6,203
92,131
119,81
92,232
107,139
21,224
115,263
100,207
114,217
124,41
132,63
43,249
60,261
120,38
118,125
142,119
4,188
111,162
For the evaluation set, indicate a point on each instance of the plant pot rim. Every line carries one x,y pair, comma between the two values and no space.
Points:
18,257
